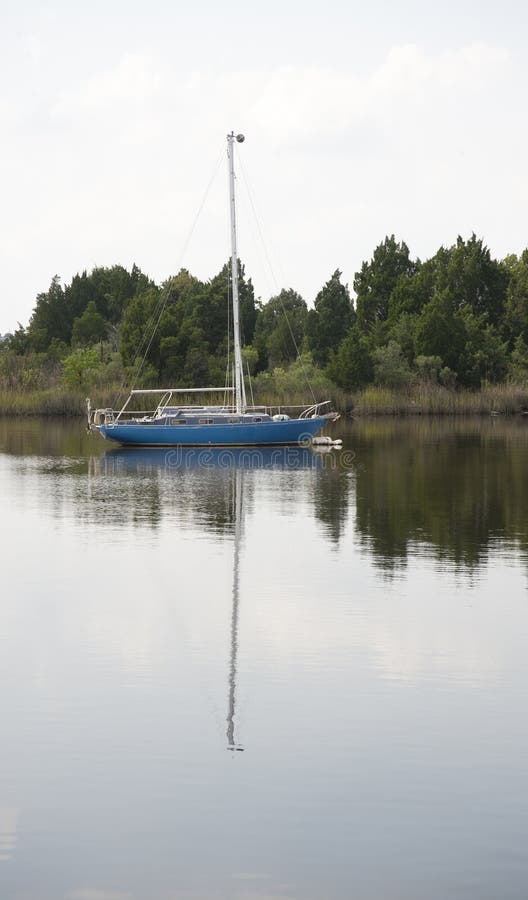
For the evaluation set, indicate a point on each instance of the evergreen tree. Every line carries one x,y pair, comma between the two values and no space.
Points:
50,318
377,279
475,281
89,328
485,355
515,322
391,369
280,328
440,331
138,327
328,323
352,366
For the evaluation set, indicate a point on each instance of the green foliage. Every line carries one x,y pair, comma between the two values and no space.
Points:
411,292
57,350
516,308
18,342
485,355
331,318
444,307
475,281
440,331
80,368
109,288
182,329
465,272
280,328
457,320
519,361
24,373
50,318
378,278
136,327
352,366
428,368
56,310
89,328
403,331
250,358
197,365
391,369
447,377
212,307
299,379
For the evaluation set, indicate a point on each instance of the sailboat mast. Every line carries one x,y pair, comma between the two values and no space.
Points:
240,392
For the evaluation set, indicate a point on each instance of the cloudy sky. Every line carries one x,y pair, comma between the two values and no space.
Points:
361,120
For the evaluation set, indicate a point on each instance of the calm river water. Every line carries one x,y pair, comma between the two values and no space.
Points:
240,677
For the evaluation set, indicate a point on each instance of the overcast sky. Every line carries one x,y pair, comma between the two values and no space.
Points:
361,120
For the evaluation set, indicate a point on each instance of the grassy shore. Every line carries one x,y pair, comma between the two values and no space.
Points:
434,400
420,399
52,401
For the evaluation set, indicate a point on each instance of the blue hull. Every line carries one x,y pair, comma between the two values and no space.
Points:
294,431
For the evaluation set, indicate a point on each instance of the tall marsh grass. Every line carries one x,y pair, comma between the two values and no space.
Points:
418,399
57,401
433,399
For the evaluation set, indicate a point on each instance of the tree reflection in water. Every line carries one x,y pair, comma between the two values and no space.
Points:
447,487
453,487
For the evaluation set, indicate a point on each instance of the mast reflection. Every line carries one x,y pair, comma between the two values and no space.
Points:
210,489
233,659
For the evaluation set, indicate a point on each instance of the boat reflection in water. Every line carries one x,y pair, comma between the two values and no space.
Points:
144,459
218,476
192,487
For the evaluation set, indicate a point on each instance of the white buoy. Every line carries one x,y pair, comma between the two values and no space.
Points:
323,440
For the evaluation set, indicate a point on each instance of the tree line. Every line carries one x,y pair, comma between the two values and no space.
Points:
459,318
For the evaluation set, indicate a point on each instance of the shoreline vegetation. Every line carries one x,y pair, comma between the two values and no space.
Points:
446,336
419,400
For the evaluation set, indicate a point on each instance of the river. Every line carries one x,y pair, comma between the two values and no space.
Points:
283,675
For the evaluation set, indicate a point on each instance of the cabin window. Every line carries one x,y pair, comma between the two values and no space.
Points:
205,421
257,418
178,421
233,421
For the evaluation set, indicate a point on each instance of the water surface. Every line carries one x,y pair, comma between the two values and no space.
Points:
265,677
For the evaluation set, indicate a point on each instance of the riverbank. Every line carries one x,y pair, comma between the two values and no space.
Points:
435,400
59,401
420,399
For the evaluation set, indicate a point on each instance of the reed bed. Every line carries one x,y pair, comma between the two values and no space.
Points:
435,400
290,399
419,399
52,401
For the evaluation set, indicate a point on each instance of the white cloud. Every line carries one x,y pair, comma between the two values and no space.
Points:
288,104
34,49
303,103
408,68
134,79
425,145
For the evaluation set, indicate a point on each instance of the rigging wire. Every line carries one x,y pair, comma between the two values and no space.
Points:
272,272
155,317
250,385
227,381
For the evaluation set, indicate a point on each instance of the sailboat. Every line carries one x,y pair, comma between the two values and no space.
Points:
230,424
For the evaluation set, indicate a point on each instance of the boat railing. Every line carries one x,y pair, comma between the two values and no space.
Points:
166,403
166,395
314,410
306,411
